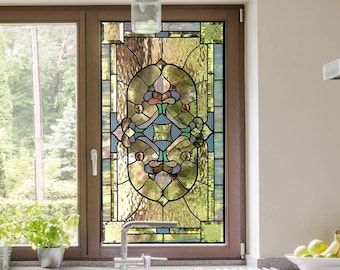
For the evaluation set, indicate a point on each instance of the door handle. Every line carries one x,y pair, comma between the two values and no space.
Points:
94,159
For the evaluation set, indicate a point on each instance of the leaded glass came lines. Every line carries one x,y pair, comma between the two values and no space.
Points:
162,132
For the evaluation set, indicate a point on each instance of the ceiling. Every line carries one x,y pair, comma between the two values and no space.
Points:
110,2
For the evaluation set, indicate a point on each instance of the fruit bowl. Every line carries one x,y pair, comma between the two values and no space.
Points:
315,263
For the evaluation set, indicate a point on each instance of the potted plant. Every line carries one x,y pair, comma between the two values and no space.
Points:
50,232
10,232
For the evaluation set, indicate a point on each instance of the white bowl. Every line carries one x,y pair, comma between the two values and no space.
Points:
315,263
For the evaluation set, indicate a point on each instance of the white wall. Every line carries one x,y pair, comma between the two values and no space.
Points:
252,129
299,125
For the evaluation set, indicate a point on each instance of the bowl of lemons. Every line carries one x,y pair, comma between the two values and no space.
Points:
318,255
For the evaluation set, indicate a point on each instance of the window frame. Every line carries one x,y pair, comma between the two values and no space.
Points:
234,139
89,126
31,15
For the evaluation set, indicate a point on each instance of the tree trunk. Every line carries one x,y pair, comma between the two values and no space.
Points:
38,142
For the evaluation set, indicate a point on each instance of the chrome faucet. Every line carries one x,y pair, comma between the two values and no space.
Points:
145,260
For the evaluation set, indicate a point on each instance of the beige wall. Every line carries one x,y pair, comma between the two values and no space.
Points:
298,123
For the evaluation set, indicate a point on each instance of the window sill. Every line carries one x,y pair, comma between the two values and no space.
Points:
168,265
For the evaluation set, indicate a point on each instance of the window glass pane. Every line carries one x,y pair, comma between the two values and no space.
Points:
163,121
38,120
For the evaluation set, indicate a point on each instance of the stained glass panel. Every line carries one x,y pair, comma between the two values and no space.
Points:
162,132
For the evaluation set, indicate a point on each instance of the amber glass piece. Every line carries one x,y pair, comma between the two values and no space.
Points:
176,50
127,64
113,32
147,50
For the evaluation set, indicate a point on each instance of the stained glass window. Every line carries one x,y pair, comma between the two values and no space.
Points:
162,132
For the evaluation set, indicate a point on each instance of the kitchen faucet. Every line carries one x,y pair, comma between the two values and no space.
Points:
145,260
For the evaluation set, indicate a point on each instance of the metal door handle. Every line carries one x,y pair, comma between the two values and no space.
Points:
94,162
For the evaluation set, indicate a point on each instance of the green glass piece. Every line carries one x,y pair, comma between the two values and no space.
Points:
212,232
210,94
211,32
175,109
210,58
139,131
211,187
174,190
149,110
173,73
182,238
195,132
162,157
162,132
202,163
206,132
187,175
184,118
149,74
219,119
138,119
138,176
202,101
162,108
163,201
136,90
151,190
186,132
179,211
219,145
197,200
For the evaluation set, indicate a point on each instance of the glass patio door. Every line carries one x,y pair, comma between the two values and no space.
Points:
42,143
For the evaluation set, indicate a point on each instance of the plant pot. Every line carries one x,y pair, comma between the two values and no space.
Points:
51,257
5,257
